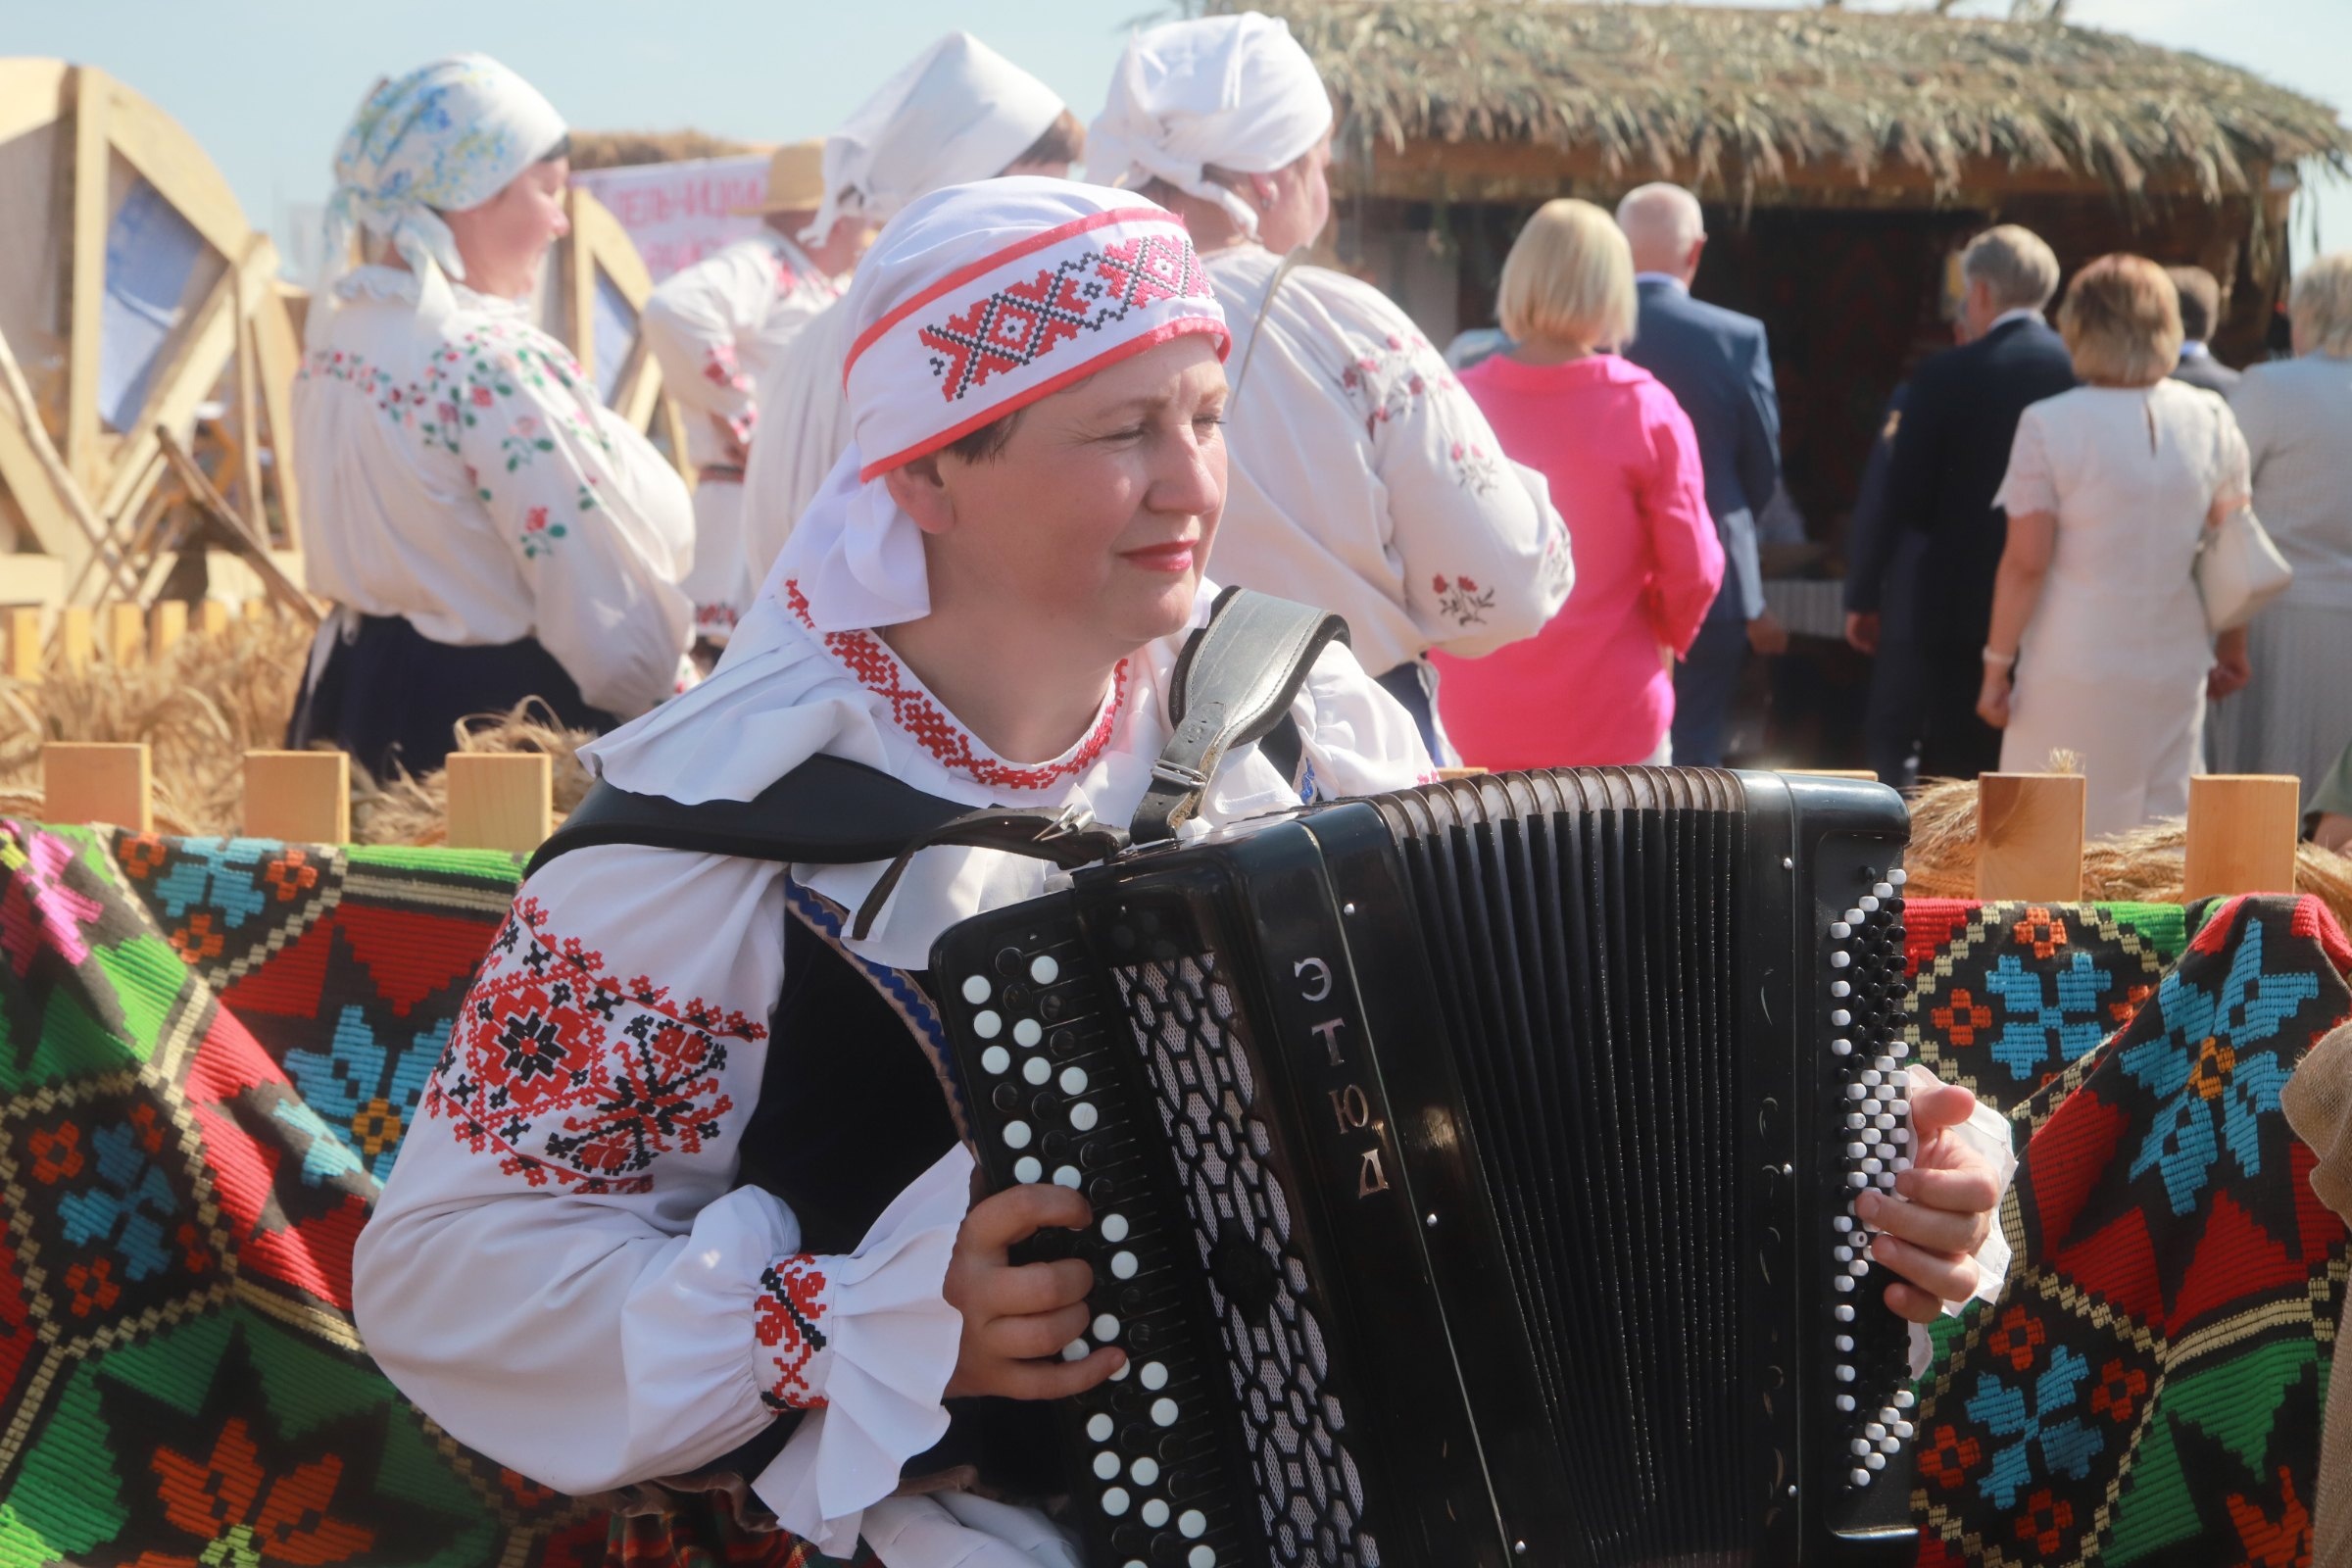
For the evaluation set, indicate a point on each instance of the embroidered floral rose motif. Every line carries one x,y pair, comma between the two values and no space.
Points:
481,397
291,875
56,1152
141,854
2045,1521
2040,932
538,533
228,1499
2120,1390
1961,1017
2019,1334
1463,601
197,940
1949,1460
2121,1011
93,1287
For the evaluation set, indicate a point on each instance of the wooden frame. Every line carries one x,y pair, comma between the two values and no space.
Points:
598,251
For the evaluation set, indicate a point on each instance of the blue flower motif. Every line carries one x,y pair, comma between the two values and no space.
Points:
325,1158
128,1206
2211,1070
2036,1032
2067,1446
359,1087
216,875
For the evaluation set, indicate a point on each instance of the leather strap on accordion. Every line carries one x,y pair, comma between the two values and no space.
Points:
1232,685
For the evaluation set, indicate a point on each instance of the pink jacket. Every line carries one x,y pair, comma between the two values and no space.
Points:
1590,687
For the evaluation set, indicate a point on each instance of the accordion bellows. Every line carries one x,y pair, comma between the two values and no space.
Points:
1473,1171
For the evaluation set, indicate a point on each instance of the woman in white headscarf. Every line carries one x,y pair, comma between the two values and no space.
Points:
1364,479
488,530
712,1223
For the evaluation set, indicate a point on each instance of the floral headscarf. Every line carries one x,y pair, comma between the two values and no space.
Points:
443,137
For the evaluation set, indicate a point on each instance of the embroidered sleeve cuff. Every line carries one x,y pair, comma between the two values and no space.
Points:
867,1342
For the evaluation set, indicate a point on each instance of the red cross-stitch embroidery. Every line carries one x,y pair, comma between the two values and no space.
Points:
878,669
1014,327
791,1301
574,1077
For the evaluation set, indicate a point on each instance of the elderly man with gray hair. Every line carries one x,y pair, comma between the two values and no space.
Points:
1718,367
1926,611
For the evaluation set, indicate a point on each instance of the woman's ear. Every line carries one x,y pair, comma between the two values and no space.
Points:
921,493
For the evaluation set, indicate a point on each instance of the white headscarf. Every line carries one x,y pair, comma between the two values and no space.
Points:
442,138
956,112
976,301
1224,92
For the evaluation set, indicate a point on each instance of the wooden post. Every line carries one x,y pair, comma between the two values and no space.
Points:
167,624
257,609
25,643
2241,834
213,616
500,800
298,797
125,634
87,782
73,638
2030,836
1860,775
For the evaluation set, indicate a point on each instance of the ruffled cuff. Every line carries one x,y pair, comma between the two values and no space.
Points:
865,1344
1986,1131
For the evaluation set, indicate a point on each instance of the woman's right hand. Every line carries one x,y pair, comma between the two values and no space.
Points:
1992,699
1018,1317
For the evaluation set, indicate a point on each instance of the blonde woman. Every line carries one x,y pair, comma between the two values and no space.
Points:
2099,642
2297,418
1593,686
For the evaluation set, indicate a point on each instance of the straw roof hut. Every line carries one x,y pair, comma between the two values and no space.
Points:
1843,155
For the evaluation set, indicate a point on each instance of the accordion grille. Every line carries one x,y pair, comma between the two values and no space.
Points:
1194,1044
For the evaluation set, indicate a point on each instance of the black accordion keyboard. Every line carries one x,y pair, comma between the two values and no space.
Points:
1473,1172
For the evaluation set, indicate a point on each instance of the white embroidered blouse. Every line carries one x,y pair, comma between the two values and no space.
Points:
718,325
807,430
1365,480
562,1269
461,472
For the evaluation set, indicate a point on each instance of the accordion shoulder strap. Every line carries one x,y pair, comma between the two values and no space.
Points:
1232,685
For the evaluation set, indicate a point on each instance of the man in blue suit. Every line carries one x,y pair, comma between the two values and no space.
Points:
1716,365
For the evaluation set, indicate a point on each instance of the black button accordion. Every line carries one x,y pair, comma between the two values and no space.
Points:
1472,1171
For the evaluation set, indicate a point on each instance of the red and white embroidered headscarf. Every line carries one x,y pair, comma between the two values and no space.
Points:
974,302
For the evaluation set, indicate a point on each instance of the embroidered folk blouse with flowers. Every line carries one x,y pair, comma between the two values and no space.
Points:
1364,480
716,328
629,1310
458,471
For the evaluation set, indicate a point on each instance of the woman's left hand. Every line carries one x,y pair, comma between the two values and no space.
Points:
1992,699
1939,1213
2232,668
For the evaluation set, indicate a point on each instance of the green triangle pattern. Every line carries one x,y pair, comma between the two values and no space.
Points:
148,977
2155,1508
2237,1402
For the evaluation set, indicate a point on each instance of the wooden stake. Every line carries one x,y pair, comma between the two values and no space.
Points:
298,797
125,634
88,782
213,617
2030,836
1448,774
1863,774
25,643
255,608
167,624
2241,834
73,640
500,800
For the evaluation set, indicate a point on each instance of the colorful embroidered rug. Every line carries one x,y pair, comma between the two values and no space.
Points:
2147,1392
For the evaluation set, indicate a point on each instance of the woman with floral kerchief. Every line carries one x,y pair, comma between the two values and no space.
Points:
487,529
685,1199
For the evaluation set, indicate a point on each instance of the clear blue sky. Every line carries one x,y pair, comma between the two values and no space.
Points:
266,85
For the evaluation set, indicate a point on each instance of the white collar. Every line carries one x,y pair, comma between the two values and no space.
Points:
2022,313
2195,349
1668,278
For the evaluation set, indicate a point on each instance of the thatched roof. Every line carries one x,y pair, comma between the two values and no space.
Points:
1746,99
608,149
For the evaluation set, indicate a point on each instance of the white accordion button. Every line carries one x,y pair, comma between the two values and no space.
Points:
1868,903
1026,1169
1066,1176
1846,1403
1841,1047
1083,1116
1839,988
1106,1465
1903,1398
1860,1446
1115,1501
1073,1080
1163,1412
1106,1327
1903,1430
1845,1374
1043,969
1114,1227
1202,1557
996,1059
1843,1312
1156,1512
1123,1266
1877,1461
1099,1427
1144,1470
1840,958
1839,931
1853,918
1028,1032
1075,1350
1891,1445
1016,1135
1874,1432
1193,1523
1886,890
1155,1376
1846,1344
1839,1018
1035,1070
1899,876
1861,1478
975,989
987,1025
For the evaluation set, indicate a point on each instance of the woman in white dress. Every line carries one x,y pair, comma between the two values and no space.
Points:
2109,490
